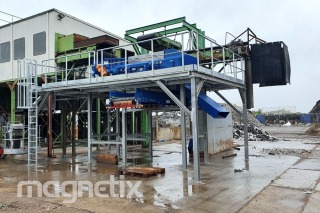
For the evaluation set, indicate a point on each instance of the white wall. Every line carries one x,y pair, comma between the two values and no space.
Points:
46,22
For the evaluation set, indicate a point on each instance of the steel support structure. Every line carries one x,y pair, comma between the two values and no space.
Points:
13,101
173,97
183,127
150,138
124,137
118,131
89,120
230,104
98,119
49,120
73,125
195,134
245,124
63,121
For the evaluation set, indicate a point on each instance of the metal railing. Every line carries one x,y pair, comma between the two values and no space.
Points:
213,57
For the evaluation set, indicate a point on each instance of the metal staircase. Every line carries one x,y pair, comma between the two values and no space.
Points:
28,99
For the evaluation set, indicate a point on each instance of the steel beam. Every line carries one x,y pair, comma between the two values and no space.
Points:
183,127
195,134
173,97
155,26
230,104
89,111
124,137
199,86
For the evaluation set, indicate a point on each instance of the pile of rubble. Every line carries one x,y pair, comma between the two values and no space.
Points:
254,133
167,119
291,152
314,130
316,108
237,118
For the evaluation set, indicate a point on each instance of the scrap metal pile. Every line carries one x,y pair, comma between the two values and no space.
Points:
254,133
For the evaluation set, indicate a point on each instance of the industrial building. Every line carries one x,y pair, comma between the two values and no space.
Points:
71,81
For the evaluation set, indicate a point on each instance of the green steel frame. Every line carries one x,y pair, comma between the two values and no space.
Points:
185,27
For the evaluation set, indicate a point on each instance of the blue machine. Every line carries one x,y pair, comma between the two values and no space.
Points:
141,96
172,58
211,107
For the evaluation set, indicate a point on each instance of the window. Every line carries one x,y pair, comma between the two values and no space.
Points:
5,52
19,48
39,43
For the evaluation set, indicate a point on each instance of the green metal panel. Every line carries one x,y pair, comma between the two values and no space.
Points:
201,40
155,26
13,106
83,55
65,43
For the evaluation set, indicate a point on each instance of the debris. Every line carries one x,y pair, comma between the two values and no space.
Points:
229,156
107,158
238,170
237,118
291,152
287,124
236,148
308,191
142,171
254,133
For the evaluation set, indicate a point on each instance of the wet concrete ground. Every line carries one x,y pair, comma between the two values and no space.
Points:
284,183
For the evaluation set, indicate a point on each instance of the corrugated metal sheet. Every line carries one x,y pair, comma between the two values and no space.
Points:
219,134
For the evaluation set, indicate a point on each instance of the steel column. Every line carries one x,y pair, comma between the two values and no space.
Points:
245,123
183,127
13,106
150,135
63,122
73,125
49,120
98,131
109,129
118,131
124,137
89,102
194,120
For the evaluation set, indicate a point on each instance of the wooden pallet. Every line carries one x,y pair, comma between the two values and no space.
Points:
142,171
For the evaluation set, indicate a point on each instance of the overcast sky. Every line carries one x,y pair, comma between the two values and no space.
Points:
296,22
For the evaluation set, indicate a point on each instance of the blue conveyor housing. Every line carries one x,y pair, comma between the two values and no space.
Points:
208,105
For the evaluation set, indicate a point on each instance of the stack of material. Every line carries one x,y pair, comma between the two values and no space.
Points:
316,108
167,119
254,133
237,118
314,130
